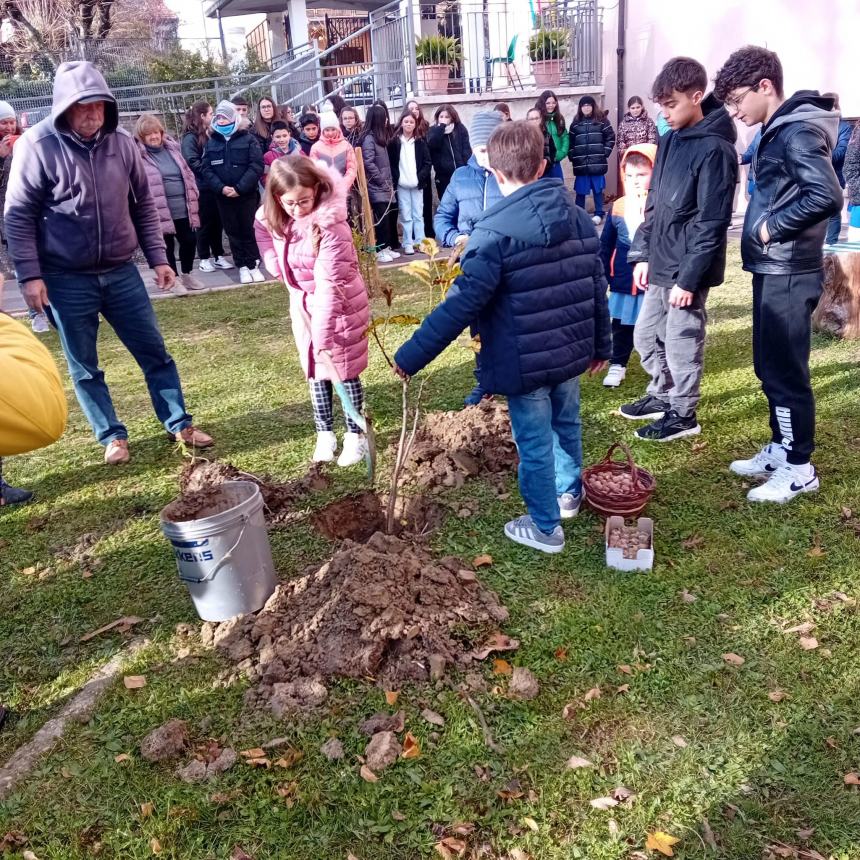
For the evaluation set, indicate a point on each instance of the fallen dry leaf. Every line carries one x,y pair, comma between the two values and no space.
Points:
411,747
808,643
816,552
28,855
679,741
806,627
512,791
624,688
776,695
134,682
693,541
450,847
126,622
502,667
690,641
560,654
531,824
391,697
519,854
119,759
146,809
621,793
240,853
367,774
155,846
734,659
806,833
496,642
625,669
662,842
686,597
433,718
575,762
482,561
603,803
593,693
852,778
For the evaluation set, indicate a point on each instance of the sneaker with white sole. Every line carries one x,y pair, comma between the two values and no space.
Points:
39,323
326,447
245,275
190,282
178,288
767,461
395,254
206,265
570,503
615,375
257,276
223,263
647,408
786,483
596,219
409,250
524,531
354,449
384,256
671,426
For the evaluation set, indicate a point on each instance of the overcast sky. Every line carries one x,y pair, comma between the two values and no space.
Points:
195,29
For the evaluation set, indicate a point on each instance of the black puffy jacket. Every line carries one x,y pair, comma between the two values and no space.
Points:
448,151
689,206
237,162
796,188
591,144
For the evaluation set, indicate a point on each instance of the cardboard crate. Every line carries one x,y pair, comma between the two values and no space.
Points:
615,555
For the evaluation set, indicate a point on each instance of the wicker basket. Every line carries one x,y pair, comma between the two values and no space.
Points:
627,503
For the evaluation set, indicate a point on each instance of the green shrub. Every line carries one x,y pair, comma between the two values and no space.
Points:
549,45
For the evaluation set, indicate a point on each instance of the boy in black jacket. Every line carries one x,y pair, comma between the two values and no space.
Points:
797,190
680,249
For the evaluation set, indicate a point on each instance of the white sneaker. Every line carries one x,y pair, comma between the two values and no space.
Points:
384,256
409,250
354,449
191,283
40,324
786,482
596,219
615,375
245,275
395,254
326,447
223,263
178,288
770,459
257,276
207,265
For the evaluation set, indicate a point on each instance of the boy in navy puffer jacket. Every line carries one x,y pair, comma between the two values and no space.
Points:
533,280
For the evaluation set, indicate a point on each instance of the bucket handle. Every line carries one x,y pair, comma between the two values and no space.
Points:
227,557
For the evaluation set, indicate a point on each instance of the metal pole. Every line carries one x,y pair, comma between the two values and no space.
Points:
410,53
620,51
221,37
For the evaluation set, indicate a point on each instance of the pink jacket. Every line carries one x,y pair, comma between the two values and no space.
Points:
156,186
325,282
339,154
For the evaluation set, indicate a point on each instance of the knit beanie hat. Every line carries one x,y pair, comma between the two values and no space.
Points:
6,111
483,125
225,110
329,119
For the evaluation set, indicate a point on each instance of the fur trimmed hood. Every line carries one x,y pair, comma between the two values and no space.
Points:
332,206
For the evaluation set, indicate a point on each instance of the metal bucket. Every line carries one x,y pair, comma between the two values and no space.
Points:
225,558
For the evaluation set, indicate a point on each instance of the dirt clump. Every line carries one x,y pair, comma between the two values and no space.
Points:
451,447
166,742
523,684
381,609
383,750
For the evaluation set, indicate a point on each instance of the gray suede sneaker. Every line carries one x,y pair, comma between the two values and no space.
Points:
569,504
523,530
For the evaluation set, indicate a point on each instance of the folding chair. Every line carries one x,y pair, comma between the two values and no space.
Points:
508,62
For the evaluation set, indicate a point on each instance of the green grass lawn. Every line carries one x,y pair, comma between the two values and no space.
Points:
756,770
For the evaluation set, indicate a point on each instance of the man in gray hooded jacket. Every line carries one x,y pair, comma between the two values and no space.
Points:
77,206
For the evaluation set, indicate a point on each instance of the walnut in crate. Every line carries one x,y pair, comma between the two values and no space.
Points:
629,539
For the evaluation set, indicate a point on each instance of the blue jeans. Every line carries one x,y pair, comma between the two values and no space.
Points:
410,207
76,300
598,202
548,433
834,225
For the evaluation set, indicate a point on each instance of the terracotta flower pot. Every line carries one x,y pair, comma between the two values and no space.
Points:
547,73
433,80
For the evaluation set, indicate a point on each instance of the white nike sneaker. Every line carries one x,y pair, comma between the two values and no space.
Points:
245,275
764,464
223,263
354,449
384,256
39,323
615,375
206,265
786,482
326,447
257,276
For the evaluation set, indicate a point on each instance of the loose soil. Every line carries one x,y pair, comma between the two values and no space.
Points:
453,446
385,609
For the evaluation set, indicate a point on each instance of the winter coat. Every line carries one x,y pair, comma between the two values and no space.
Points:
852,168
616,239
306,144
845,129
377,169
796,188
339,155
422,161
74,207
591,144
635,129
549,152
448,151
156,186
5,170
560,139
748,157
275,153
319,264
235,163
533,281
32,399
192,152
470,193
689,206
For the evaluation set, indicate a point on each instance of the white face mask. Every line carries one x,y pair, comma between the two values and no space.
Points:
482,158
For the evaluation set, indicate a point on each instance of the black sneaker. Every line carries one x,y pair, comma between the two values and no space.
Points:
648,408
670,426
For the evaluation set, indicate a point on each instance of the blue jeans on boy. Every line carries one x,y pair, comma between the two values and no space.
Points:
548,433
410,206
119,295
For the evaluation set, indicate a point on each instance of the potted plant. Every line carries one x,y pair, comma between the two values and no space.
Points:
547,48
435,56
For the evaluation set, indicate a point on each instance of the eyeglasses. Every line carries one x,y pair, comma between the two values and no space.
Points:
297,204
733,105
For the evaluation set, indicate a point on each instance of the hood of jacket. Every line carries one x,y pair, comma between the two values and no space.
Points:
81,80
534,214
331,209
807,106
649,150
716,122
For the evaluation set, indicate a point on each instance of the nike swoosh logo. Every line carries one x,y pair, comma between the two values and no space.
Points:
796,489
770,468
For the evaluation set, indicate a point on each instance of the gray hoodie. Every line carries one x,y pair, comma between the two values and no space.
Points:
76,207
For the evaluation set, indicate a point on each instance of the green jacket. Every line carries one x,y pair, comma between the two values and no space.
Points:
559,138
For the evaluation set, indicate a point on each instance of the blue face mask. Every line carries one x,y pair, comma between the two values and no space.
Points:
226,130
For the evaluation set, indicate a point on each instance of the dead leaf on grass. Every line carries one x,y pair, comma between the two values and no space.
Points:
817,551
482,561
367,774
119,759
808,643
28,855
624,688
155,846
125,623
662,842
519,854
776,695
512,791
806,627
134,682
687,597
625,669
146,809
391,697
603,803
496,642
733,659
575,762
502,667
560,654
433,718
531,824
852,778
693,542
411,747
240,853
592,694
679,741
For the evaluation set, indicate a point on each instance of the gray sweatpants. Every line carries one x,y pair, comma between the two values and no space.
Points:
671,344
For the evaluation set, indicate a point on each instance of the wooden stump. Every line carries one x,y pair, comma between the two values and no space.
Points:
838,312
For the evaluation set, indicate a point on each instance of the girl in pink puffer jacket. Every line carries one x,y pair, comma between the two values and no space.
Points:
304,237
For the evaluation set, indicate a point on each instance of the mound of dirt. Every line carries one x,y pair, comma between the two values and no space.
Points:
385,609
199,477
453,446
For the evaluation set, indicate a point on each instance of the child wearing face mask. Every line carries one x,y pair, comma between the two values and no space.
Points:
332,149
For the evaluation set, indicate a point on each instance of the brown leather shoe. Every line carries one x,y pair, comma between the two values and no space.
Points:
116,453
194,438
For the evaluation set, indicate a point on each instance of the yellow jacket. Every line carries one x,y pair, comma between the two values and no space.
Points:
32,401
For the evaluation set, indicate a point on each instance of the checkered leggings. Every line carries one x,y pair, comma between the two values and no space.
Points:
322,399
